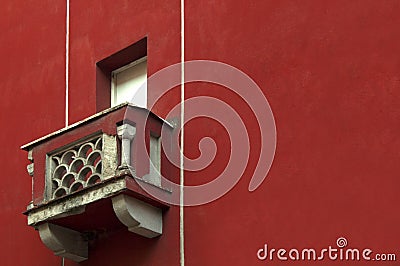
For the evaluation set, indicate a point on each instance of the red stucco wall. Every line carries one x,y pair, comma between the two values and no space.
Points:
330,71
32,104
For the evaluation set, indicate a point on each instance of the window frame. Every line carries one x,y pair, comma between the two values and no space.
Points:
107,65
114,74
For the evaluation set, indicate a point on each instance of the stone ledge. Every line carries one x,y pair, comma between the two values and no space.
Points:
75,203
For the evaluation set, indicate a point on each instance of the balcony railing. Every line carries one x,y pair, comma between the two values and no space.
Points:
113,155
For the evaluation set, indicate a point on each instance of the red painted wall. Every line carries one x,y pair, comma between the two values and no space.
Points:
32,104
330,71
98,30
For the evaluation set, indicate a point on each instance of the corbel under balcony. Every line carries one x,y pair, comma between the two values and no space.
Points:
95,168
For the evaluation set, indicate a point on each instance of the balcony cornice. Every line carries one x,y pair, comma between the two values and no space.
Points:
89,119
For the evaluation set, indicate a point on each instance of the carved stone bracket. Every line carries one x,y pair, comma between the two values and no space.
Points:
140,218
64,242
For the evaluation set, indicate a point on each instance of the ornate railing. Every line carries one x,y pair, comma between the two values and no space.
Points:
76,168
109,156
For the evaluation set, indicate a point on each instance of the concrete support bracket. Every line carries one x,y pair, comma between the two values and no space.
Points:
64,242
140,217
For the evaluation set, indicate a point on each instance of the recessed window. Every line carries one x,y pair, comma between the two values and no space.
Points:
119,77
129,84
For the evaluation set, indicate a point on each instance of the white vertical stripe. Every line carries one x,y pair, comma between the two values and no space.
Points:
67,64
181,199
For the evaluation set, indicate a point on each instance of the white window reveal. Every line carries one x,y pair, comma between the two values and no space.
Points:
129,84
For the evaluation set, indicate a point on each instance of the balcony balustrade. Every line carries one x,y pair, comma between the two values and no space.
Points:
93,176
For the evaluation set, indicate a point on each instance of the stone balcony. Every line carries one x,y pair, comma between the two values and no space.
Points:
100,174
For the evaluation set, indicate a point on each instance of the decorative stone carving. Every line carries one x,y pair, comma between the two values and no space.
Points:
30,169
64,242
140,218
79,169
126,133
76,168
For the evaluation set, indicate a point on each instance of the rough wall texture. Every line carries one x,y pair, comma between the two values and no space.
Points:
330,70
